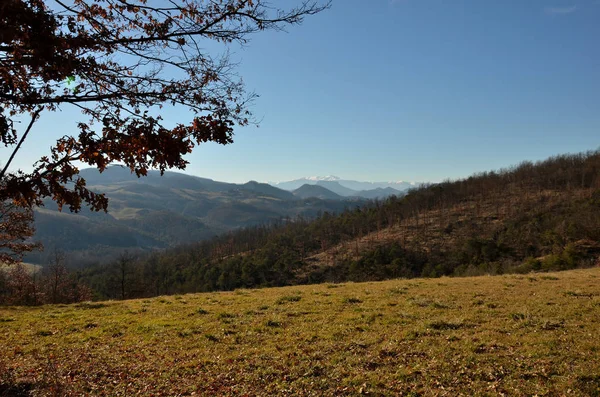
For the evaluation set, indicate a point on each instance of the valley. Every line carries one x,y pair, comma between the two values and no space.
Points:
528,218
157,212
143,253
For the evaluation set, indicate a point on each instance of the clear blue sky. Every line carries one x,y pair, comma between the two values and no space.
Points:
416,90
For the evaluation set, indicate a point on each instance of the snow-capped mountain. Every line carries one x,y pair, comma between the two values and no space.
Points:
329,178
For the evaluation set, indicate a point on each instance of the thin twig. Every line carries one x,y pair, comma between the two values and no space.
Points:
12,156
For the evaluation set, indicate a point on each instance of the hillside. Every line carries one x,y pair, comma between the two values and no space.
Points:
337,188
380,193
267,190
531,217
505,335
156,212
307,191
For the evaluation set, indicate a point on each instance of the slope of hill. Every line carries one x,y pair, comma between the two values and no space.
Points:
337,188
379,193
306,191
268,190
161,211
533,217
505,335
117,174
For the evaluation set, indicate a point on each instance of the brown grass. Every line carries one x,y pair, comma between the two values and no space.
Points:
511,335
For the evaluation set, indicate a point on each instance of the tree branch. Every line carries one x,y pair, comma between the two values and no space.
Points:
12,156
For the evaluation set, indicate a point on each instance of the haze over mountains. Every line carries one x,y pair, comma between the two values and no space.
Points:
350,188
162,211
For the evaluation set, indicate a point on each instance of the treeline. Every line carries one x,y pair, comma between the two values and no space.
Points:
23,286
534,216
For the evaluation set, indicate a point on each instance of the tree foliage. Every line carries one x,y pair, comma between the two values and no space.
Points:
16,231
55,284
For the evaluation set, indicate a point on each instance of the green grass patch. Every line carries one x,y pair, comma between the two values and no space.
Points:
288,299
465,336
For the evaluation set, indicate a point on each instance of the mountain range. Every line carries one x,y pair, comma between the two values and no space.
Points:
530,217
350,188
162,211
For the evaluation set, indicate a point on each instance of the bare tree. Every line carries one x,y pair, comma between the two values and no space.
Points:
124,266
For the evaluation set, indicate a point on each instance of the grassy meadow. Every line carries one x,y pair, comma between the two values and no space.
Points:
527,335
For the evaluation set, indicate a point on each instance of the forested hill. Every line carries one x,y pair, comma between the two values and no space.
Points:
534,216
156,212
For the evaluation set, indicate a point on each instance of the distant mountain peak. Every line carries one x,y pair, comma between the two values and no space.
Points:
330,178
318,191
350,188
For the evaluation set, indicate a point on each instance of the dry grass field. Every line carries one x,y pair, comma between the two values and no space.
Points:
526,335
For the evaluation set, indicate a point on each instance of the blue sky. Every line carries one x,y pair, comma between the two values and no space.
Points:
416,90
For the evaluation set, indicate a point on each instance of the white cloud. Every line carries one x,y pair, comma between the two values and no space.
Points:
560,10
